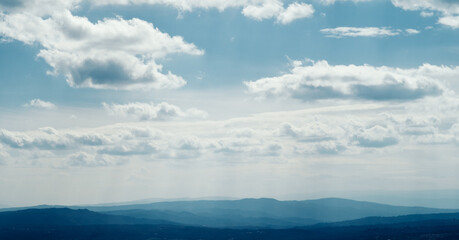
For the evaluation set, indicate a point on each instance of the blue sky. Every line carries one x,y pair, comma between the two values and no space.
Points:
237,96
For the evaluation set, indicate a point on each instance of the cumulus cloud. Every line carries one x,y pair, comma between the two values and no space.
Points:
111,53
451,21
115,53
377,137
275,9
188,5
256,9
329,2
264,11
340,32
295,11
41,139
39,7
448,8
38,103
323,81
311,132
412,31
127,149
51,139
83,159
444,6
152,112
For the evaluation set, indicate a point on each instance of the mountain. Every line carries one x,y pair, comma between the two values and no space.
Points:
66,216
368,221
263,212
67,224
244,213
220,219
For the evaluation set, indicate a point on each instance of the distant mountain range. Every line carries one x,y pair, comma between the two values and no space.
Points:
67,217
66,224
263,212
244,213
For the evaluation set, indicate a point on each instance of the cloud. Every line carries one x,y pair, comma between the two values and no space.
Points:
275,9
451,21
444,6
323,81
330,2
295,11
38,7
51,139
376,137
115,53
83,159
41,139
269,9
426,14
140,148
3,156
412,31
448,8
89,139
311,133
341,32
112,53
37,103
151,112
256,9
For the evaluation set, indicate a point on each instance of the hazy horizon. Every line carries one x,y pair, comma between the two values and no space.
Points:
442,199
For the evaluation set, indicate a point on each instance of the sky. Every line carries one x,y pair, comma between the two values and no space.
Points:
119,100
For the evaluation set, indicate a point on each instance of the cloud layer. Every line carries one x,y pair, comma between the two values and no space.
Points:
340,32
153,112
312,133
323,81
38,103
256,9
448,8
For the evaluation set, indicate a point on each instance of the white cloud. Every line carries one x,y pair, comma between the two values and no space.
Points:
256,9
314,133
266,10
412,31
112,53
448,8
37,103
444,6
329,2
340,32
39,7
323,81
3,156
295,11
377,137
275,9
181,5
451,21
83,159
115,53
41,139
151,112
426,14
